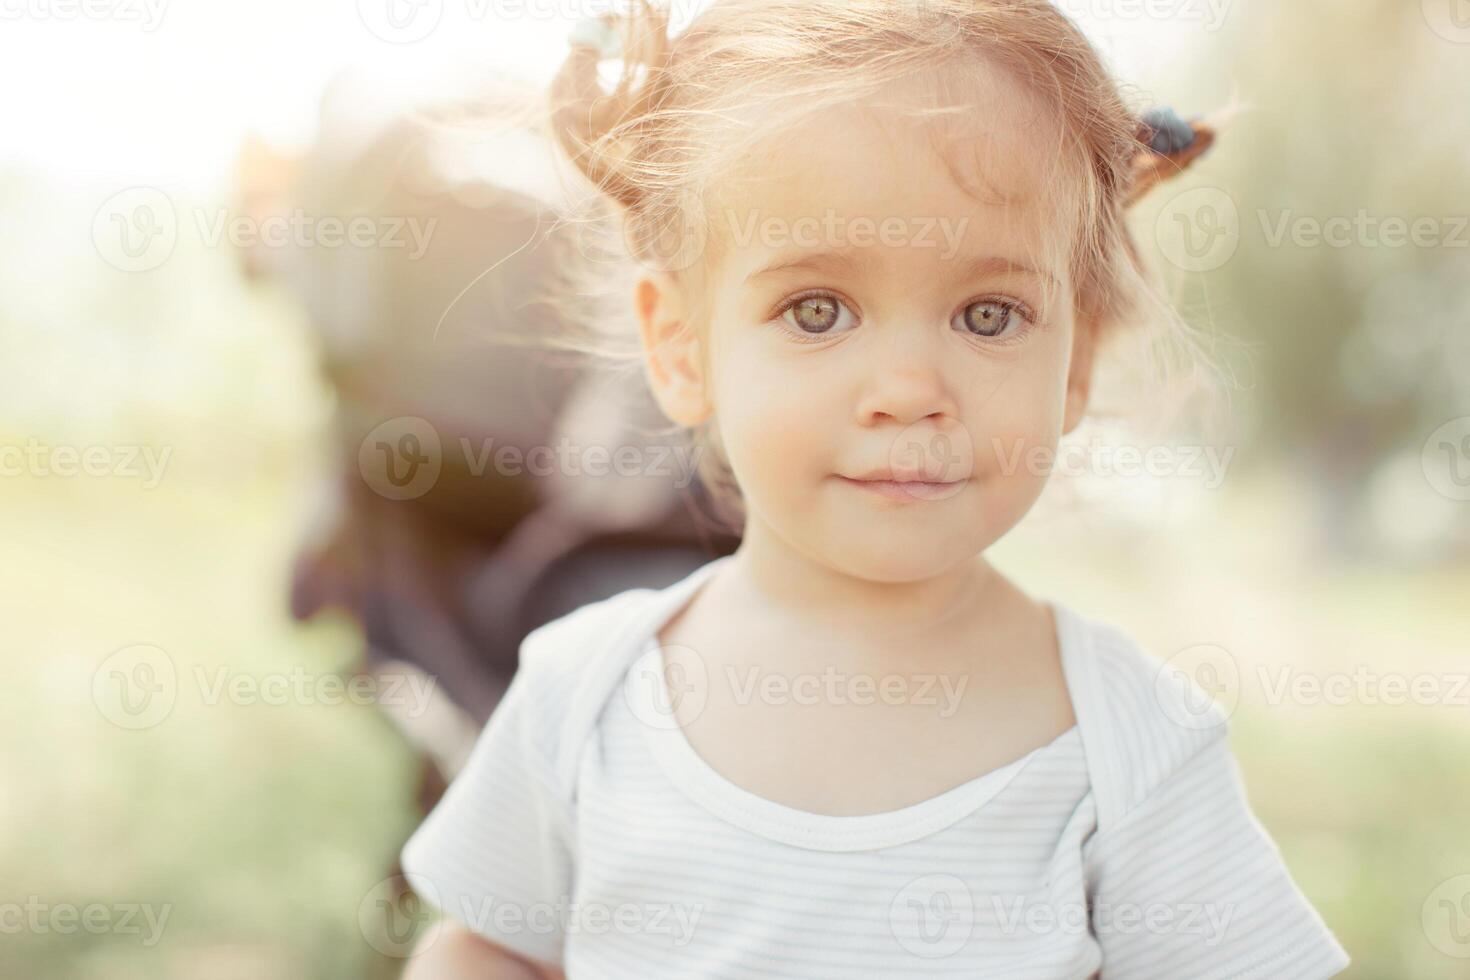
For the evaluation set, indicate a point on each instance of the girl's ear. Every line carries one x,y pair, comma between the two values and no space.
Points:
671,354
1079,375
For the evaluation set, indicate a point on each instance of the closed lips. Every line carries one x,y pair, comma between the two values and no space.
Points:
908,489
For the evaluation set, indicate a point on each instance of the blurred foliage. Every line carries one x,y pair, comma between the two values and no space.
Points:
1347,357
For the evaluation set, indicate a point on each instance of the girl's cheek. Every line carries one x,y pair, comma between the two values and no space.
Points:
777,436
1017,418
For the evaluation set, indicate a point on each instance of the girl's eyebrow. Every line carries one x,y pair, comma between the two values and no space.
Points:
989,265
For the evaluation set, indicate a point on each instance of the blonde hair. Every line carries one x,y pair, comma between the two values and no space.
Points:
684,109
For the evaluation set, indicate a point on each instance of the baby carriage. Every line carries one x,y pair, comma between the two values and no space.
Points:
446,575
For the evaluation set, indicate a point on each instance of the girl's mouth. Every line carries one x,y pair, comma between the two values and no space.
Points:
908,489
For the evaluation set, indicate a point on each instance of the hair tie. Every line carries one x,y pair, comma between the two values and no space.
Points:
596,127
1165,132
1167,146
598,34
640,37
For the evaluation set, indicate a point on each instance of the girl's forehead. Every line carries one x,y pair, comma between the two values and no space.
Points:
980,149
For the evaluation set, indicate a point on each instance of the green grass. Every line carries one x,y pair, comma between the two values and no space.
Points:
260,827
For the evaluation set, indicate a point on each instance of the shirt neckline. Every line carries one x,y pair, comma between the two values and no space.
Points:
704,785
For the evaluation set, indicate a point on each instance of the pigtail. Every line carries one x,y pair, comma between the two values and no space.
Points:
1166,146
598,130
1163,147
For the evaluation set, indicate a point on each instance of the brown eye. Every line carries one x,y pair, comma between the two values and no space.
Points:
988,318
818,315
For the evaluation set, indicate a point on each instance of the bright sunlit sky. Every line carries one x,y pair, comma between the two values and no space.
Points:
164,91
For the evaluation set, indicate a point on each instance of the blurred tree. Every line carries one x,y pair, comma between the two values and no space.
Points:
1357,347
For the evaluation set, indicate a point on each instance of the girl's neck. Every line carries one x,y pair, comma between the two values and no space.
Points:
810,595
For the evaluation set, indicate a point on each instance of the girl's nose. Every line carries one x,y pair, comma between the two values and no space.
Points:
905,391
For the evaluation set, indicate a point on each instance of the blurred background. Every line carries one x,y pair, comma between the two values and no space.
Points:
265,567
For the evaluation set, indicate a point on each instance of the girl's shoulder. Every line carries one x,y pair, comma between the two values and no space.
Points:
1142,717
581,645
571,666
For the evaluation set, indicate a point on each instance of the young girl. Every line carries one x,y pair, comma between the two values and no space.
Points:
880,244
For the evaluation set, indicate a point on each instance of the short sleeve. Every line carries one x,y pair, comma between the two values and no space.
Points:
1188,884
496,851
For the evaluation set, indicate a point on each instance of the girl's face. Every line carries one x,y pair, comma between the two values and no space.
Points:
887,352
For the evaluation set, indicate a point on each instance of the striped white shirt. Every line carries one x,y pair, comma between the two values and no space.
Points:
586,831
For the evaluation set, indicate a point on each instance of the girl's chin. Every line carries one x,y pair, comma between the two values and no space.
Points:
901,560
